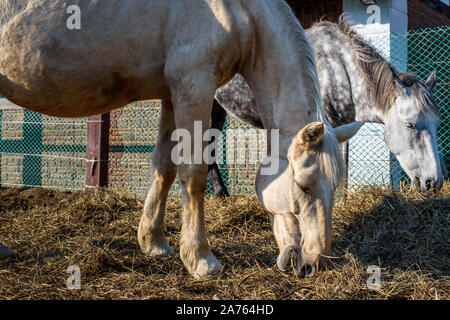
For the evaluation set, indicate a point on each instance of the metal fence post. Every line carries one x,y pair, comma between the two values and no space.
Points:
97,150
346,156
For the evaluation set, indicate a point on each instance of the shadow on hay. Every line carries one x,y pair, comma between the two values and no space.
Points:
400,232
116,245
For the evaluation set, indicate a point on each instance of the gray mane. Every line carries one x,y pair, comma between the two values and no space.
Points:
379,75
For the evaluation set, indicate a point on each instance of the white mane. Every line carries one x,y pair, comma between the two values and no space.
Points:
331,162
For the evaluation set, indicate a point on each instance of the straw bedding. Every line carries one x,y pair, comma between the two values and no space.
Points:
405,233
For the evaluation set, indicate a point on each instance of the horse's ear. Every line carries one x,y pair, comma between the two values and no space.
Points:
310,135
431,81
347,131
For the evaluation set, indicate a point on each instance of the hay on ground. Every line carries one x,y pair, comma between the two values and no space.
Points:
404,233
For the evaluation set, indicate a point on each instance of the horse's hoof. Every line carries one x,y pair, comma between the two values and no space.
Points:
162,251
6,252
207,266
157,249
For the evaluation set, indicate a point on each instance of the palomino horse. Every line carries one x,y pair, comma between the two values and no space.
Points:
181,52
358,84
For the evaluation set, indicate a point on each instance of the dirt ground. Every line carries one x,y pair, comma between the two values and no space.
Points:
405,233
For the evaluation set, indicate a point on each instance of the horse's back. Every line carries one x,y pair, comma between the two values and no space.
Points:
336,75
119,54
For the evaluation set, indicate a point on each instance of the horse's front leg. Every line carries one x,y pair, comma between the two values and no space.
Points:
195,251
151,228
193,96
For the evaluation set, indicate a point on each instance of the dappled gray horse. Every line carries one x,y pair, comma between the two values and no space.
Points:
181,52
358,84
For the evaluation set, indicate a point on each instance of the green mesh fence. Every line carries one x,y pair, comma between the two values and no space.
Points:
420,51
41,151
133,134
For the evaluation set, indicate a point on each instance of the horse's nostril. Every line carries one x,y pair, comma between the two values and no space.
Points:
416,182
428,184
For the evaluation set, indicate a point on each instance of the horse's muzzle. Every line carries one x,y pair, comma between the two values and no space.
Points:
291,257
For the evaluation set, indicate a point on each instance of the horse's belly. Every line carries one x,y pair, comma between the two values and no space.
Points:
119,54
81,96
72,95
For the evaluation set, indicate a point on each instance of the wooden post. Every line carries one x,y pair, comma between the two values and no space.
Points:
97,150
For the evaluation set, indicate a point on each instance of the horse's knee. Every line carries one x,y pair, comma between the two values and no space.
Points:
163,180
161,160
193,178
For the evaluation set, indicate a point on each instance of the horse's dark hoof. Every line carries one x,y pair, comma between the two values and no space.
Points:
221,193
6,252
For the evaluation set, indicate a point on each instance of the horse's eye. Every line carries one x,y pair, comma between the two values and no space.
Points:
408,82
304,189
411,126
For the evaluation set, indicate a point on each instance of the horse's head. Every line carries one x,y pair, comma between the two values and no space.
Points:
314,172
410,130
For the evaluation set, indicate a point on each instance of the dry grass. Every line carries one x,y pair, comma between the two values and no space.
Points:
404,233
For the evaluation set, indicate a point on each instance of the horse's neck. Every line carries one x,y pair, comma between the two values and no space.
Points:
281,70
343,87
363,109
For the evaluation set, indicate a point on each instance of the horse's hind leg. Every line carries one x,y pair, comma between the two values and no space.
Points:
151,228
218,115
